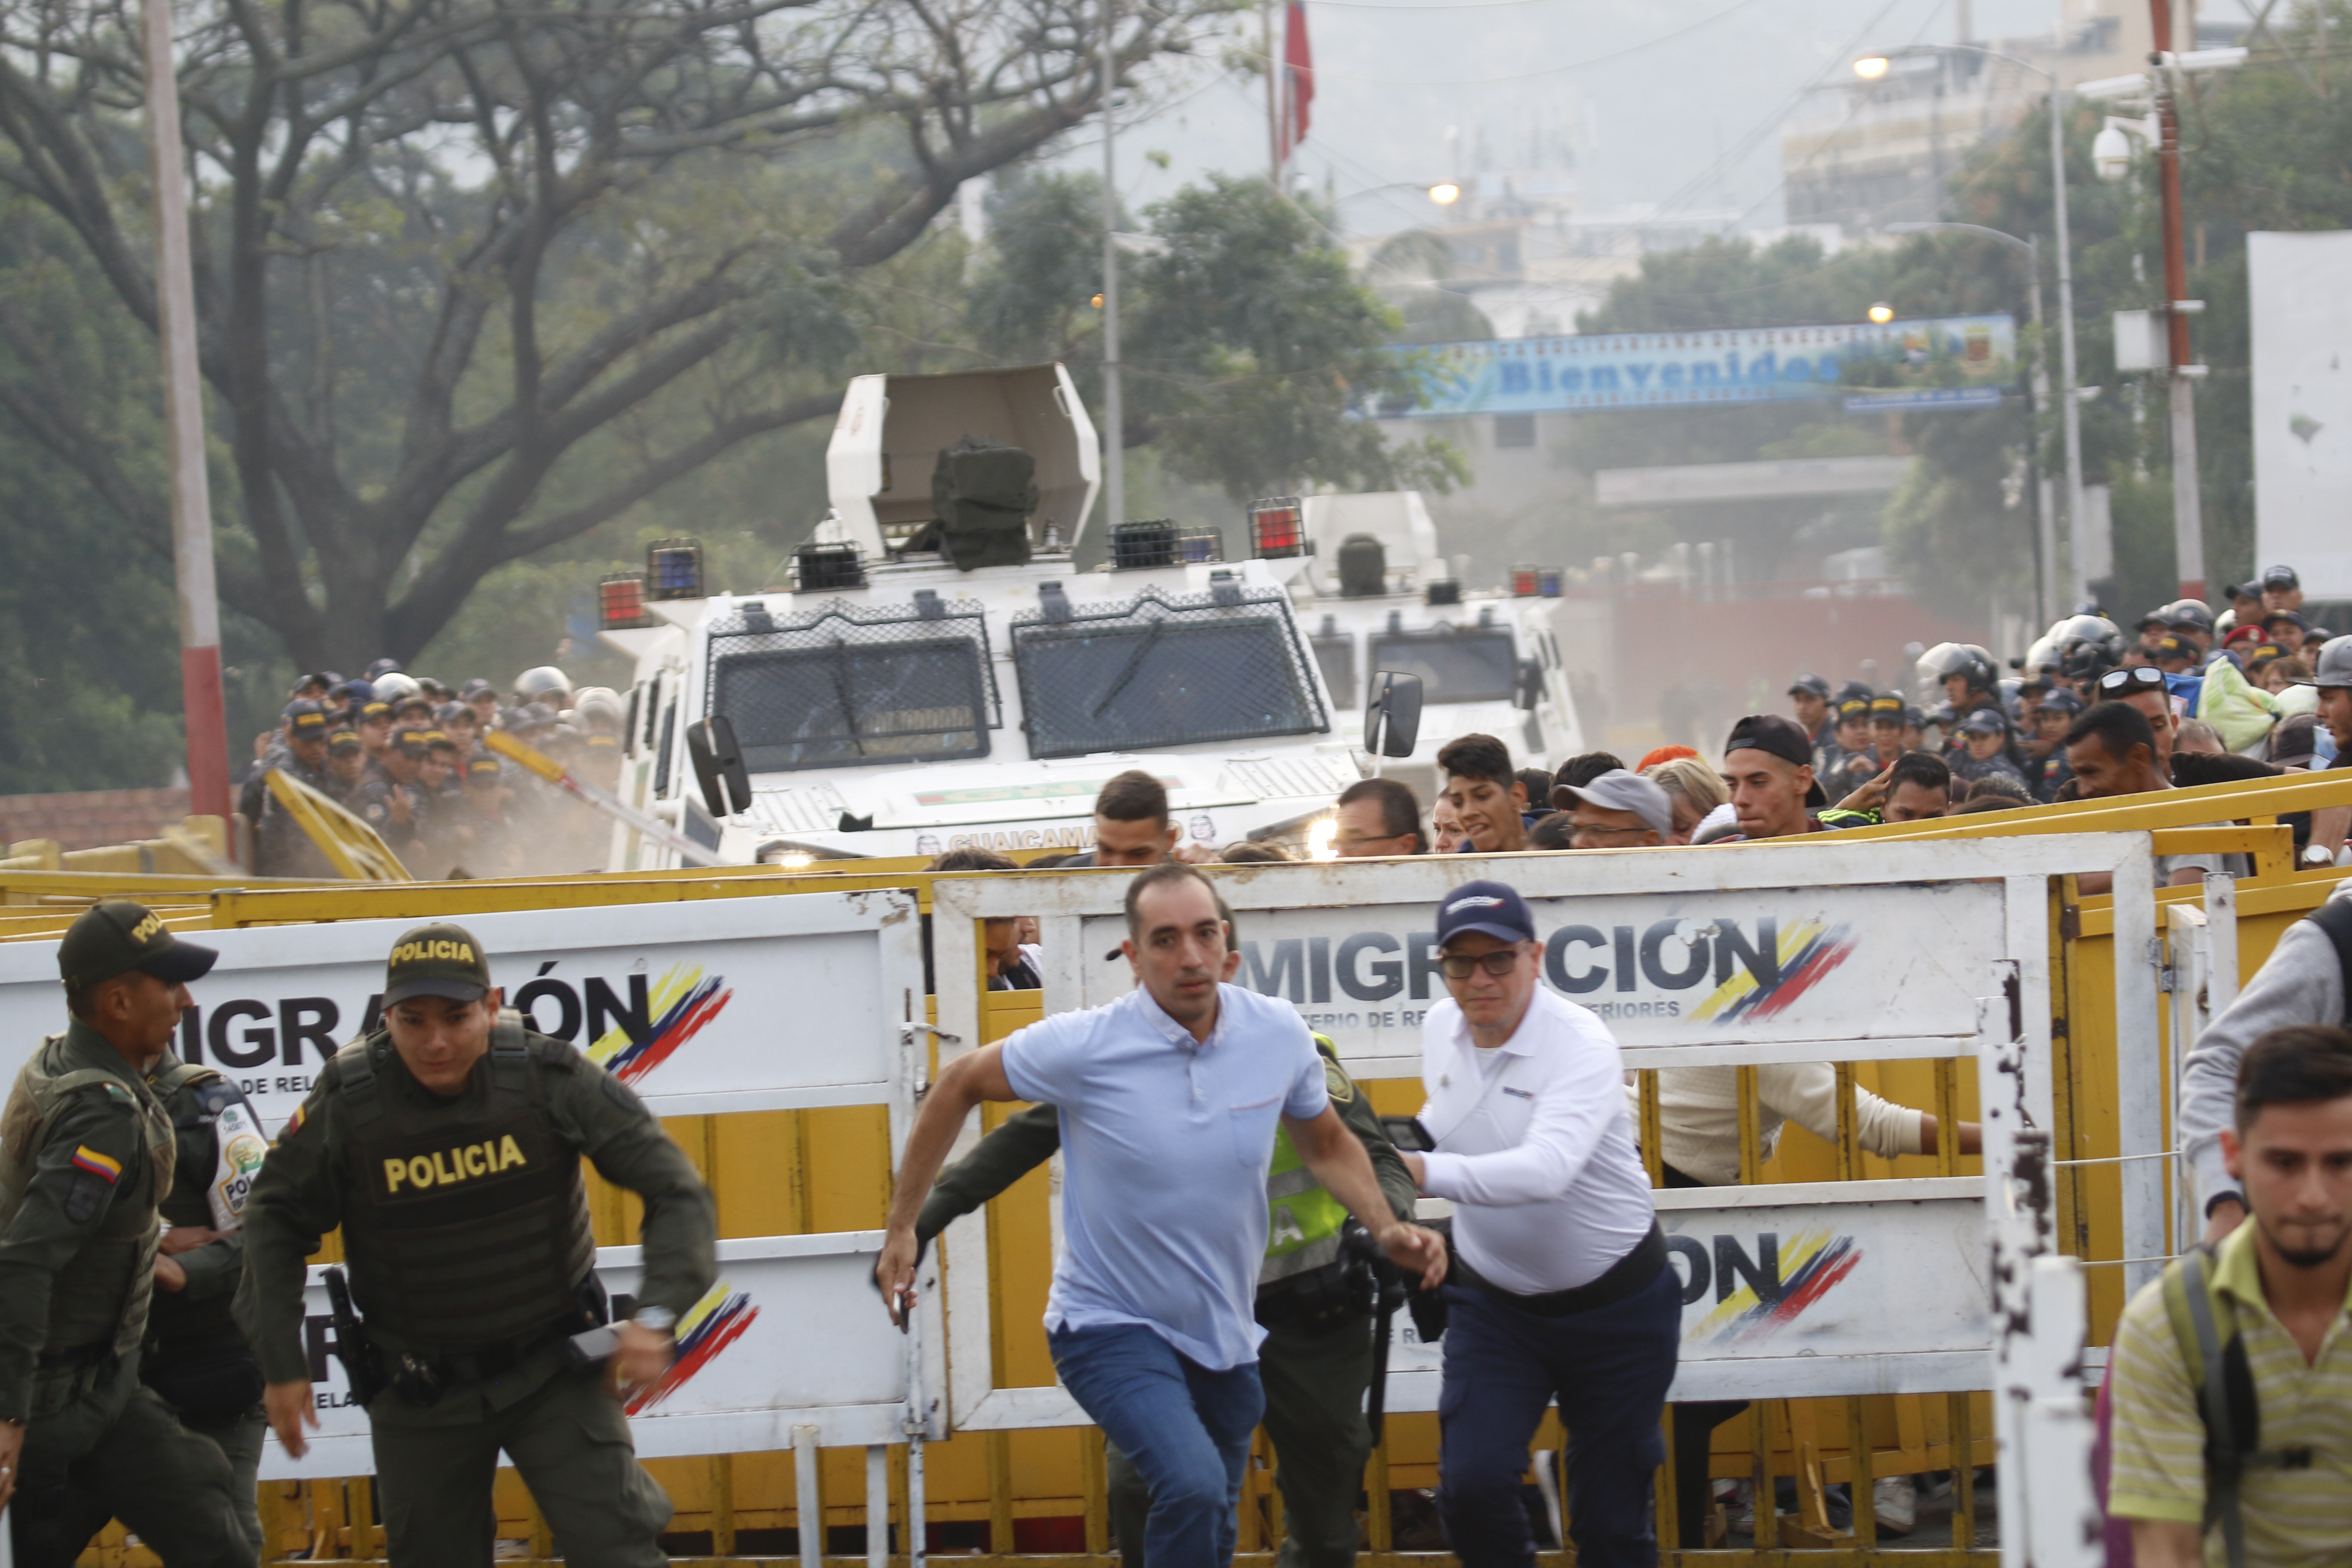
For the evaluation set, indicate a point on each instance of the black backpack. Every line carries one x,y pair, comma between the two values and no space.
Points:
983,493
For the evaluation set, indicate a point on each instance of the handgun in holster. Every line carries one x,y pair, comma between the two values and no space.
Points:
363,1364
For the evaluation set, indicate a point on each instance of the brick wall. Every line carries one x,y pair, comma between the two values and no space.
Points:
87,819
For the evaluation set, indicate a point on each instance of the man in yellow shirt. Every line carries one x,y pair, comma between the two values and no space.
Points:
2281,1284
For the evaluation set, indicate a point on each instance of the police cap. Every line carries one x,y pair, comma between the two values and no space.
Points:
115,936
437,960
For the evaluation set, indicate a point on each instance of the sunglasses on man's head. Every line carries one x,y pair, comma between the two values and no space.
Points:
1462,965
2137,675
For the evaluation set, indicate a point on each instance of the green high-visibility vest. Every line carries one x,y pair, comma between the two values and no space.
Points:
1303,1221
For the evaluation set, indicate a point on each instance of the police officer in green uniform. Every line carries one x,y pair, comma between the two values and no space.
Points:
196,1355
448,1145
1316,1362
86,1155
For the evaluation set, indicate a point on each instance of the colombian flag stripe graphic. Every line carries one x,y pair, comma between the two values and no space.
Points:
1813,1262
86,1158
1807,952
681,1004
710,1326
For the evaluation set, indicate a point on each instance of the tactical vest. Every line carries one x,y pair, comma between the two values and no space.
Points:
467,1222
1303,1220
99,1298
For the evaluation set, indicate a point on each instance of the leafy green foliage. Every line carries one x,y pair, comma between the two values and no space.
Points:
1254,348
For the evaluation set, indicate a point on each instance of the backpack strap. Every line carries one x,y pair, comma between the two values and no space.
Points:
2335,918
2223,1384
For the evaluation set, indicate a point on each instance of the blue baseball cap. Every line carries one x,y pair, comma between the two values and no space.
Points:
1489,907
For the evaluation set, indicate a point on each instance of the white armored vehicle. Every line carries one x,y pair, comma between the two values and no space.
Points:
938,674
1377,595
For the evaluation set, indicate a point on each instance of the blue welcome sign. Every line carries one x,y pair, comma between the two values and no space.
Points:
1740,364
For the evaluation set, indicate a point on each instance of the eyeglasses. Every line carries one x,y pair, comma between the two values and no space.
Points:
1585,831
1462,965
2137,675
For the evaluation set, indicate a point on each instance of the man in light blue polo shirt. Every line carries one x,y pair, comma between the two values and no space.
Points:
1170,1098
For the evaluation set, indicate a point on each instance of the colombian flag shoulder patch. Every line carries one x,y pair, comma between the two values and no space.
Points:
86,1158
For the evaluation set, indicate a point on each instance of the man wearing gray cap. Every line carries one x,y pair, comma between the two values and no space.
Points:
1617,810
86,1157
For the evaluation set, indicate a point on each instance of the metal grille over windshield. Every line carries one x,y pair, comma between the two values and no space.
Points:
1468,666
1160,671
842,686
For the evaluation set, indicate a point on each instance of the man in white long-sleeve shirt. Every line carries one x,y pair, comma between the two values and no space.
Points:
1560,1287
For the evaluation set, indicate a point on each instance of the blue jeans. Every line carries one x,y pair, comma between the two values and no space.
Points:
1610,1369
1186,1430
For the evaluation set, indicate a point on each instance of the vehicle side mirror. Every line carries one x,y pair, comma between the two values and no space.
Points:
1530,685
1392,717
718,765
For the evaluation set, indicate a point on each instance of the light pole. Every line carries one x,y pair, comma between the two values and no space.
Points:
2068,405
2045,533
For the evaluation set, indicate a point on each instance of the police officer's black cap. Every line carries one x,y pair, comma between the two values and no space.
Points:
115,936
482,768
411,743
1888,706
305,720
1853,708
436,959
475,687
342,742
1812,684
374,708
2280,577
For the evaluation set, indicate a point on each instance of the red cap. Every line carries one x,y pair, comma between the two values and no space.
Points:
1663,754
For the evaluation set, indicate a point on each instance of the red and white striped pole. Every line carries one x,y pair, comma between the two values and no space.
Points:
184,417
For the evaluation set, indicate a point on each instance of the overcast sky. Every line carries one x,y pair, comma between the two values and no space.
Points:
1675,103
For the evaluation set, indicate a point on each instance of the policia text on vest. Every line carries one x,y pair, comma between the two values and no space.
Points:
87,1156
1317,1360
447,1144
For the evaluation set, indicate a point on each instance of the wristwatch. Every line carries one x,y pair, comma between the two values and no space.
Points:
660,1320
2318,855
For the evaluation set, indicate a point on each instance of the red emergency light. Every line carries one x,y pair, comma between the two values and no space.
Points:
621,602
1278,528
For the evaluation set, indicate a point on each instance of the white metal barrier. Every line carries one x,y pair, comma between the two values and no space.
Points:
760,1003
1810,951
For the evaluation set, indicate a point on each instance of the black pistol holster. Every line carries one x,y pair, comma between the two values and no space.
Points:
362,1366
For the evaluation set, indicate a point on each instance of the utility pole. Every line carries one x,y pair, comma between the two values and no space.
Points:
1114,417
2188,518
2070,401
1272,96
184,418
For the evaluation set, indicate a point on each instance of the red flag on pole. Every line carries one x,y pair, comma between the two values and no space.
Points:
1298,78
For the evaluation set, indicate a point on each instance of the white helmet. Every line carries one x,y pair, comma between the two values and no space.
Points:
394,686
544,683
590,703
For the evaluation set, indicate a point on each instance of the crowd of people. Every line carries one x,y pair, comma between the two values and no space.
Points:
406,754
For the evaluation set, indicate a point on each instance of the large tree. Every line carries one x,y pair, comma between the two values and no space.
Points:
445,245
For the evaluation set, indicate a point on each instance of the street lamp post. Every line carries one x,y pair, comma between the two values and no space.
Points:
2069,403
